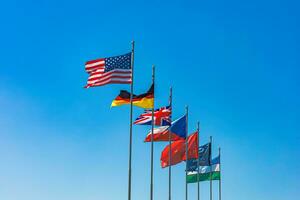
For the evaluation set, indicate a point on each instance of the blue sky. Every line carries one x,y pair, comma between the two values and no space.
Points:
235,63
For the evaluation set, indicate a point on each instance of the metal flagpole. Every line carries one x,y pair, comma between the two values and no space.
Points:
210,172
198,162
220,175
170,144
186,153
130,132
152,129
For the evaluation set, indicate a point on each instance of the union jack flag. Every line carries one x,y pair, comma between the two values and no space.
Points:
162,117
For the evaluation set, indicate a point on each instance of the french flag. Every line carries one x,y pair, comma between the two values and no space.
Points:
177,130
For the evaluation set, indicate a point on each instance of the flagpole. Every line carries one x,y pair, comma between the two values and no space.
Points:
220,175
152,129
210,172
198,163
186,153
170,144
130,132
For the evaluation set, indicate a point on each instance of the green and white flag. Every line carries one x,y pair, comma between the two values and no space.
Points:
205,174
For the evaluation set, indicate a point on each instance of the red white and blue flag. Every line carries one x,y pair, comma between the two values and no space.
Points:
177,130
109,70
162,117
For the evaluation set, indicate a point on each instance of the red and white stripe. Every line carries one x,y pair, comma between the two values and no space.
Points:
98,77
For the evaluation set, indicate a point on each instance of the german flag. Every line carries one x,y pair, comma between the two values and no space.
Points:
143,100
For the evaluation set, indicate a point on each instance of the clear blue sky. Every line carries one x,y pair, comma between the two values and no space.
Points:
235,63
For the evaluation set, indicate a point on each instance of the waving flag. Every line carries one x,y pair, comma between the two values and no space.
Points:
161,117
204,158
144,100
109,70
177,130
205,174
178,151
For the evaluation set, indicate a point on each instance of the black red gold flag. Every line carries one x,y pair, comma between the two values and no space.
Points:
144,100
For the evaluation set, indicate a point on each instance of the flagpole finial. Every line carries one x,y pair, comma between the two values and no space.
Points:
153,74
132,46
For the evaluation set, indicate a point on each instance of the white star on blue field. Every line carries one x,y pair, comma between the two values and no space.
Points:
118,62
234,63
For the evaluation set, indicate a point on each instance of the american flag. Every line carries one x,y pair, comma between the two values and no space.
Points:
104,71
162,117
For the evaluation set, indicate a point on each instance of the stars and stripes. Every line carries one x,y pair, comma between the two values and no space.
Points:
162,117
109,70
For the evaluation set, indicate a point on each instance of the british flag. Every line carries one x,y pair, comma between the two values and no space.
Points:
162,117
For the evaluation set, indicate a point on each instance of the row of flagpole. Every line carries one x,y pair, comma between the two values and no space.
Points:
96,62
186,152
170,144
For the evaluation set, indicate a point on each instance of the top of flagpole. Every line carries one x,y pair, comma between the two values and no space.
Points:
153,72
170,97
198,130
186,115
132,63
132,50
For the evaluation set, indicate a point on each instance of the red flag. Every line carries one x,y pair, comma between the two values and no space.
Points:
178,151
